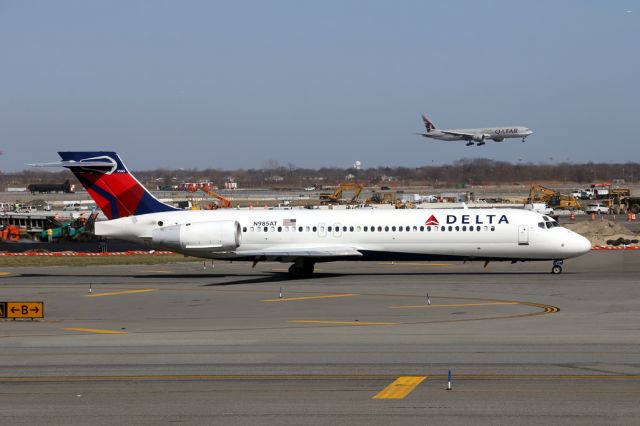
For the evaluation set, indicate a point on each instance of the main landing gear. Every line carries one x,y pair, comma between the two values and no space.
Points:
469,143
302,269
557,267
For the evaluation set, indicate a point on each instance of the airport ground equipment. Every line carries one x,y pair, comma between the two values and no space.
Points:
336,196
552,198
222,203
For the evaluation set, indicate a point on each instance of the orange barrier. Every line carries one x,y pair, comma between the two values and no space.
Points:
620,247
83,254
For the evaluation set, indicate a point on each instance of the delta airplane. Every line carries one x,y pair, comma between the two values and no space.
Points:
305,237
477,136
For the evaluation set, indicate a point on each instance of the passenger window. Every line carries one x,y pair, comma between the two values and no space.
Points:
315,228
422,228
279,228
257,229
344,229
329,228
443,228
386,229
358,229
493,228
464,228
244,229
350,228
450,228
380,228
300,228
266,229
415,228
408,228
484,228
457,228
400,228
273,229
252,229
365,229
471,228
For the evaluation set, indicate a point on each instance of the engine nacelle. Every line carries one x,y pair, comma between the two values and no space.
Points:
478,138
498,139
216,236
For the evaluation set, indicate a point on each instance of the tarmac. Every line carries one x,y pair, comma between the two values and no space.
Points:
359,343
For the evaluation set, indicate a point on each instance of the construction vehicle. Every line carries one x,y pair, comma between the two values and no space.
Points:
552,198
223,203
381,198
71,229
13,233
336,196
47,188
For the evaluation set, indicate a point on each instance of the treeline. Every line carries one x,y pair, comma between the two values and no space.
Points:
462,172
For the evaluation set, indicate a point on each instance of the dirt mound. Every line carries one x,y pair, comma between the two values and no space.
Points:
601,231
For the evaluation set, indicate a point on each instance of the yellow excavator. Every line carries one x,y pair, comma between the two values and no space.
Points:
336,196
552,198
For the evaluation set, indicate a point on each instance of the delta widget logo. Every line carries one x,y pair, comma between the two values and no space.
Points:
432,221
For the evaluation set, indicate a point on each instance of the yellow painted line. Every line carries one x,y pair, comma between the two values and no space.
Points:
342,322
400,388
2,274
115,293
414,264
328,296
455,305
157,271
96,330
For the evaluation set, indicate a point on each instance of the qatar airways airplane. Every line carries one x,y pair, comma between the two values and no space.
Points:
474,136
305,237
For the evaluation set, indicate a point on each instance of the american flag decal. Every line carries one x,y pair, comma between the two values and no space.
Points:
289,222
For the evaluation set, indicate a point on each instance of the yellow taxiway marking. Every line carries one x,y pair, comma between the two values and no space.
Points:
96,330
157,271
328,296
400,388
414,264
455,305
2,274
342,322
115,293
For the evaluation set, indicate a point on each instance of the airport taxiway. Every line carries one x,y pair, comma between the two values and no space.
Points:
360,343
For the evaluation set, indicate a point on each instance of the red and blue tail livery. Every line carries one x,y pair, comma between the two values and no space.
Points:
116,191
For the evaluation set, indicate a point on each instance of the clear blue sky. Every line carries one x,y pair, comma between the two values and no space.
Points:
316,83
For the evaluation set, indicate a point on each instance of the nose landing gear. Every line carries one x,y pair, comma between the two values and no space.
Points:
557,267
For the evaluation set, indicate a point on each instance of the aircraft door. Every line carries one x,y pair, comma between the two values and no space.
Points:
523,235
337,230
322,230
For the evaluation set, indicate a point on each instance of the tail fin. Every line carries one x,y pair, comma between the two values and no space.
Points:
428,124
116,191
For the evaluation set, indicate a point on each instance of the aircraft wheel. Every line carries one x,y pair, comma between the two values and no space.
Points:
301,271
556,269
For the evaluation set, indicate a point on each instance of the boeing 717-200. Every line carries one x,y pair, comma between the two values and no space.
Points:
305,237
474,136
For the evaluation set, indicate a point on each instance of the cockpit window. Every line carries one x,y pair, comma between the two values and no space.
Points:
541,225
546,219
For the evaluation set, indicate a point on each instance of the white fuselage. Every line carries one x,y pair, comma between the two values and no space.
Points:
500,234
497,134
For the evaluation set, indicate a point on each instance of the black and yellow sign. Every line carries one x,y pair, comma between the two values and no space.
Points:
3,309
23,309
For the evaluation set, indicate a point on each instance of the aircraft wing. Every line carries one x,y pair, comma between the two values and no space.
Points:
459,134
301,251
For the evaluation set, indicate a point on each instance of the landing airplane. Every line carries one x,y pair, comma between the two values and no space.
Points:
306,237
477,136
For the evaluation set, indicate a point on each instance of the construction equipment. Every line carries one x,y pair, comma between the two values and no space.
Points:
552,198
71,229
223,203
13,233
336,196
381,198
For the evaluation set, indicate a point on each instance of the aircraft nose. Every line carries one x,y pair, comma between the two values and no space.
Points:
579,245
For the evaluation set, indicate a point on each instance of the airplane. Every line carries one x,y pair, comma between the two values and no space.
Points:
474,136
305,237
